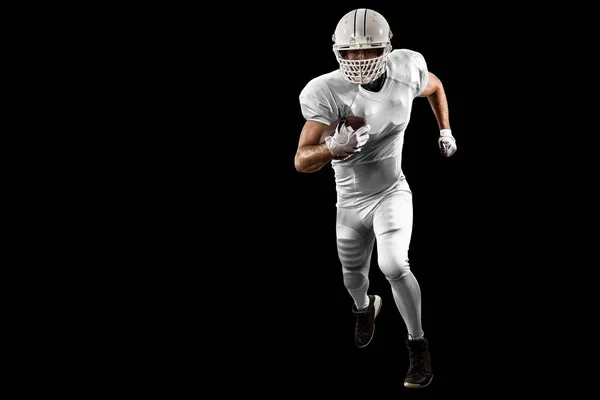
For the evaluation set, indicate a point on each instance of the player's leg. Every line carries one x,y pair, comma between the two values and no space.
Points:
355,243
392,223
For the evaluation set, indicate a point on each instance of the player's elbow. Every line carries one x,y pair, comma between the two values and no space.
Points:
299,164
302,164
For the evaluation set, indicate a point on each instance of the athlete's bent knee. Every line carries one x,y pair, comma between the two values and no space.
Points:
354,279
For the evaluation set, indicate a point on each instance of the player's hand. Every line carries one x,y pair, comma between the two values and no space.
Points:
346,141
447,143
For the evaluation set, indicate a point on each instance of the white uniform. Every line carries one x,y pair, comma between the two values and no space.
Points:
373,196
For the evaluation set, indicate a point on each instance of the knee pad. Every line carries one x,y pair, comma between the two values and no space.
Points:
354,279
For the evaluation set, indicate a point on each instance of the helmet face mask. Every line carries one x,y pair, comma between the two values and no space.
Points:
362,29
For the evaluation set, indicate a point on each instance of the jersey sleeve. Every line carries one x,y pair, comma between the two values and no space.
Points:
419,70
316,105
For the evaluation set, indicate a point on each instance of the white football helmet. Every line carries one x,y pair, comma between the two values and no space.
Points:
362,29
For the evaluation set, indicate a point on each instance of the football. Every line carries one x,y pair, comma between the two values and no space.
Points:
350,120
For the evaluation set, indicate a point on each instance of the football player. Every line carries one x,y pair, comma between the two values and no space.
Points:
374,200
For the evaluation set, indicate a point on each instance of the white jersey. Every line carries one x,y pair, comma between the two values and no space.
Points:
377,168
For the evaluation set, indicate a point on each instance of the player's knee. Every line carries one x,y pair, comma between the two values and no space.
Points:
354,279
395,269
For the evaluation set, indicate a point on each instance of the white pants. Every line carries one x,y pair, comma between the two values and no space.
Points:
385,220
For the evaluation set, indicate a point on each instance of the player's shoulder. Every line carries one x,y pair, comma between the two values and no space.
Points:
331,82
402,63
405,55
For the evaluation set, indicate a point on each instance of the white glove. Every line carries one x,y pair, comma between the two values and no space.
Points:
346,141
447,143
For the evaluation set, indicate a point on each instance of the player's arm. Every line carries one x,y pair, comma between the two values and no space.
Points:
434,91
310,155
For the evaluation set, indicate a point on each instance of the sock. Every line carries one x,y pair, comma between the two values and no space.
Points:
360,297
366,303
411,337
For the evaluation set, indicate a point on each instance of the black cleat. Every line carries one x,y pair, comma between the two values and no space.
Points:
365,321
419,373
